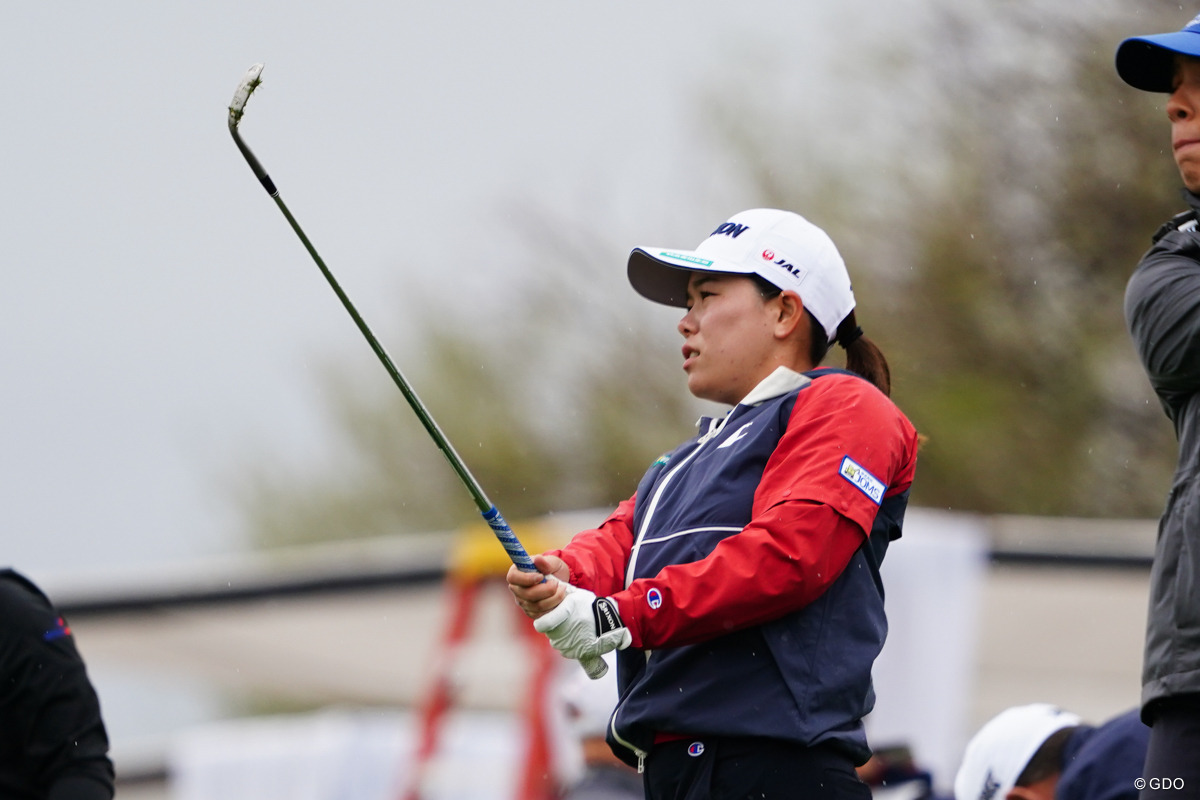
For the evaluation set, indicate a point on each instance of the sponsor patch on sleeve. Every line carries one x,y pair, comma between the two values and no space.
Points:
867,483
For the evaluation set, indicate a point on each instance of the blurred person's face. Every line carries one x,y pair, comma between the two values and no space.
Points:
731,336
1183,109
1042,790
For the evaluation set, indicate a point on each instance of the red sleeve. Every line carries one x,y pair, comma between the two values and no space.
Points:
598,558
846,447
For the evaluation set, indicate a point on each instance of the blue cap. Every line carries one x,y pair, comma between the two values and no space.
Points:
1148,62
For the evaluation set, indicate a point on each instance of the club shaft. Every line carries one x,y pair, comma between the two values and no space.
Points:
504,533
439,438
593,665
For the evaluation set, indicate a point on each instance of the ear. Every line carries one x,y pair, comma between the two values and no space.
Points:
789,315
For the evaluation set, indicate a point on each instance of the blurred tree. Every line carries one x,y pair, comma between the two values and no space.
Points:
991,184
1020,181
557,410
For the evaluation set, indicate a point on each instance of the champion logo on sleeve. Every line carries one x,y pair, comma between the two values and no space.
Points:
858,475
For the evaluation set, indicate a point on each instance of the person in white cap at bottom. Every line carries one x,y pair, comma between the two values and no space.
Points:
740,584
1041,752
589,704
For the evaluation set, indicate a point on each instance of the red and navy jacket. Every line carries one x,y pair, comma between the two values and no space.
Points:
746,568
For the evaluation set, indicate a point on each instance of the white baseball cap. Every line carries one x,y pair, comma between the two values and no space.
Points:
998,754
784,248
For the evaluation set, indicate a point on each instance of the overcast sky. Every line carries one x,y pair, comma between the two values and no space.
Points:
159,322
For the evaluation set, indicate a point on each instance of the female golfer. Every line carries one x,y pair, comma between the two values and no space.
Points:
741,581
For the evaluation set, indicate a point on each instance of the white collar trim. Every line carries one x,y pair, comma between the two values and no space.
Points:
779,382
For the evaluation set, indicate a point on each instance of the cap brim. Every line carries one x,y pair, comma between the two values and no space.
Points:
1148,62
661,274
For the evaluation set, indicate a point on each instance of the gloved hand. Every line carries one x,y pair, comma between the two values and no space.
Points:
583,626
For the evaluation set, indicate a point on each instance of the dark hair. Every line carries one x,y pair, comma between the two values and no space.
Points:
1048,760
863,357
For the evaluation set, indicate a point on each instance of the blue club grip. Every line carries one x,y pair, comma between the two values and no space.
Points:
595,667
512,545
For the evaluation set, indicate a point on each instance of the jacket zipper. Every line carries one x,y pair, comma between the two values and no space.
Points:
707,437
658,492
641,754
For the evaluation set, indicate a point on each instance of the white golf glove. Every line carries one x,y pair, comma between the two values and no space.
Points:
584,627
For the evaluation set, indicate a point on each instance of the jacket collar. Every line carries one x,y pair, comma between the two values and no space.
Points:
779,382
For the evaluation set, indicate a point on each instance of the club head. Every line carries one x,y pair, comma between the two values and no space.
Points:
249,83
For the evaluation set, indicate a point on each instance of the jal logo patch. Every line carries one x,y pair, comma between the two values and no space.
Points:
654,598
790,267
867,483
696,749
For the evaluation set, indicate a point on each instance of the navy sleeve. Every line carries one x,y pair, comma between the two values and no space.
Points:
53,743
1103,763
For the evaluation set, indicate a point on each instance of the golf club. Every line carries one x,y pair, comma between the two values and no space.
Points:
512,545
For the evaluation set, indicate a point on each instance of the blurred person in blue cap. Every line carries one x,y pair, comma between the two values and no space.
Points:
1041,752
1162,310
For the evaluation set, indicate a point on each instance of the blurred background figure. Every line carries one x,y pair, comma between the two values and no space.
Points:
1041,752
893,774
53,745
589,704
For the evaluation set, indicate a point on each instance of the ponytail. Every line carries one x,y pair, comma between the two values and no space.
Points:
863,357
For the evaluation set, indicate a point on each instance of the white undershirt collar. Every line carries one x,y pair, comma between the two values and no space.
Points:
779,382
